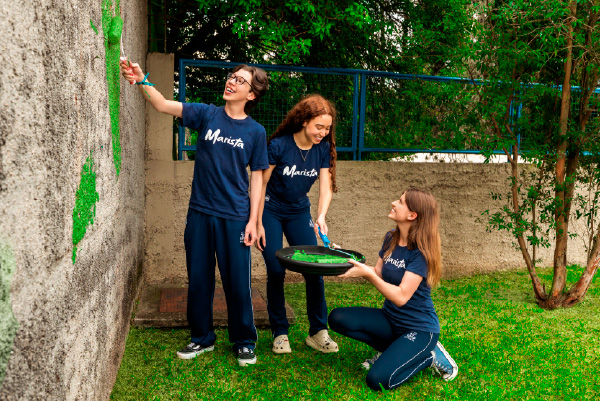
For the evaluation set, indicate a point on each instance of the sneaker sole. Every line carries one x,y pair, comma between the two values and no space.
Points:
311,343
244,362
448,377
192,355
282,351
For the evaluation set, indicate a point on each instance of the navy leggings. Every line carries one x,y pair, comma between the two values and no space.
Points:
404,353
298,230
205,236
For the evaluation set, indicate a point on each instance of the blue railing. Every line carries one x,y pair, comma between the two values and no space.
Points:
347,89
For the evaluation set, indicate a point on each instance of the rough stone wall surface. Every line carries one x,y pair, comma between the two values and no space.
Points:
357,217
72,317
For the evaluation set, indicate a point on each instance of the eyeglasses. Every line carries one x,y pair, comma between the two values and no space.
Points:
238,80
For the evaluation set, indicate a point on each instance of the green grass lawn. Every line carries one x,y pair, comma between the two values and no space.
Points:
506,347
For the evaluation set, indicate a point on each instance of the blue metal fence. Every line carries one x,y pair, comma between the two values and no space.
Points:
420,102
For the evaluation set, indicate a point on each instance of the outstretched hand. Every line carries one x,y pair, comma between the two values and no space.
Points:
358,270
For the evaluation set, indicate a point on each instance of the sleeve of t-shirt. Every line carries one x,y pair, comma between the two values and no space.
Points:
325,156
417,263
273,150
195,114
259,159
386,239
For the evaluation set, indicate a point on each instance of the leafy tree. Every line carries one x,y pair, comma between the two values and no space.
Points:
405,36
542,60
409,36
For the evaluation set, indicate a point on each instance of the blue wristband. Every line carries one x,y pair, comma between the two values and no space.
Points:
144,81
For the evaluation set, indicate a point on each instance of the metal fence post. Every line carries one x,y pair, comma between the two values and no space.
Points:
361,122
355,105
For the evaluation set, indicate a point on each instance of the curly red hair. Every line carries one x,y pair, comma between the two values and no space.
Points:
305,110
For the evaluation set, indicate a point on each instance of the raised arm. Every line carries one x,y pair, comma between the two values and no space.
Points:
132,72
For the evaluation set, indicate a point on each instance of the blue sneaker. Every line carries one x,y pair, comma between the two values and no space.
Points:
443,363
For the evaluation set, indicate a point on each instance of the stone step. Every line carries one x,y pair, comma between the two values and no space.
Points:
165,306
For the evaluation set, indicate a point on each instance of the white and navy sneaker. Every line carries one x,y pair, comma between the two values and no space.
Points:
366,365
192,350
443,363
246,356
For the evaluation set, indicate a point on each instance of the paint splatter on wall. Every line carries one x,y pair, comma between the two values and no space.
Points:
93,27
87,196
110,28
85,203
8,323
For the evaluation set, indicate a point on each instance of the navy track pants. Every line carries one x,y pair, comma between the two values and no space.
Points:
298,230
404,353
206,236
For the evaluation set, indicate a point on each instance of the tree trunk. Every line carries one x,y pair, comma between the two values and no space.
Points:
560,255
538,288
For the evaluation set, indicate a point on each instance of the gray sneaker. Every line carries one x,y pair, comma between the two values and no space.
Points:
192,350
366,365
443,363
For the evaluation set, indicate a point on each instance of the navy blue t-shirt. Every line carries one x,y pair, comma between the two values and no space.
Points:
293,176
418,313
225,148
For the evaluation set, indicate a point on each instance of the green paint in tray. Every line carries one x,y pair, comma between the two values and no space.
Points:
302,256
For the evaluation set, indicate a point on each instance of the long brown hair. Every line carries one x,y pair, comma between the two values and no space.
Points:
305,110
423,233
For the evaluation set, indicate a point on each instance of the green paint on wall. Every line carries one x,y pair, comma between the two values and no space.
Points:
110,11
114,33
93,27
8,323
85,203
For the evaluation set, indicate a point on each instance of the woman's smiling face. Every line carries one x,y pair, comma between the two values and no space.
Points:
234,91
318,128
400,212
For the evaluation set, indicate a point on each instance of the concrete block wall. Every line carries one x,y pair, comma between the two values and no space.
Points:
64,318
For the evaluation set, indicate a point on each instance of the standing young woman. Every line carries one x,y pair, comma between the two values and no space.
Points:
301,150
405,331
222,217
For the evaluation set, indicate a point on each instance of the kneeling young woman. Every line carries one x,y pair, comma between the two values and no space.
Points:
405,331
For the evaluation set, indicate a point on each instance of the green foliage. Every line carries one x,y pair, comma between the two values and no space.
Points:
391,35
527,53
504,347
